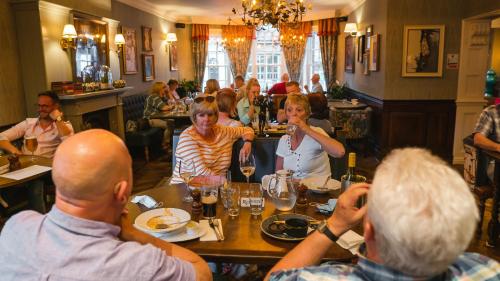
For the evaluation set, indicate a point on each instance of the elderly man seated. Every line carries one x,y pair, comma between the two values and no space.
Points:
87,235
420,218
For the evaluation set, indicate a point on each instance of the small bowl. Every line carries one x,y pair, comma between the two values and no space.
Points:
296,227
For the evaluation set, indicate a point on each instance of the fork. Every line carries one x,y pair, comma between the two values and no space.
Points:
216,229
217,226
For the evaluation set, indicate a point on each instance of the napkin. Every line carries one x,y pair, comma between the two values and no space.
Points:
146,201
328,207
350,241
209,232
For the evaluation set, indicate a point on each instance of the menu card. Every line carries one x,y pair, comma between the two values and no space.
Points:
26,172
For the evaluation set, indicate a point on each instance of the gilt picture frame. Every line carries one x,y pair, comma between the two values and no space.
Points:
350,54
423,51
147,41
129,51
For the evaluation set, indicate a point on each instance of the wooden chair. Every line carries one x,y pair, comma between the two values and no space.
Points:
475,174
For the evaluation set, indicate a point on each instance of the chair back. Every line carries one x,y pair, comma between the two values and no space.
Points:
475,164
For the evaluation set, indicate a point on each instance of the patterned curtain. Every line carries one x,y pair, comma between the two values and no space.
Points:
327,32
237,41
293,43
199,36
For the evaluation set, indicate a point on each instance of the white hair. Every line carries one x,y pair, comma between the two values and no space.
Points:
422,212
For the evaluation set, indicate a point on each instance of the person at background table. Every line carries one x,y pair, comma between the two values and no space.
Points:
211,87
280,87
306,151
226,103
419,220
320,113
207,144
239,87
88,235
49,128
172,87
292,88
316,86
154,104
247,111
487,133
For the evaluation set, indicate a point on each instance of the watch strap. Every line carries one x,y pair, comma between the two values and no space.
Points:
323,228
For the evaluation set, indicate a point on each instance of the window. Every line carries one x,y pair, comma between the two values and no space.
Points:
217,63
312,62
266,60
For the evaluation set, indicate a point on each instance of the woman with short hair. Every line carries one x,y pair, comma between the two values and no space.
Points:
246,109
226,102
320,113
172,87
211,87
306,151
207,144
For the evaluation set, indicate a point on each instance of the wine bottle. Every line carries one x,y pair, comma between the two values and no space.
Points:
351,177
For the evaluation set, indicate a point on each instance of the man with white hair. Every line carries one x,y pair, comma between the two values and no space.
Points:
316,86
420,218
87,235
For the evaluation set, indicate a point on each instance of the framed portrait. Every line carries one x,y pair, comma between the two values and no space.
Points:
374,52
361,48
368,34
129,51
148,67
174,65
423,47
350,55
147,42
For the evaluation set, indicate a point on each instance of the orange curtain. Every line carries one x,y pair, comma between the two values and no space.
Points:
238,43
327,32
199,36
293,41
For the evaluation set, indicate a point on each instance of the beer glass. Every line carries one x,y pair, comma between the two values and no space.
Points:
31,144
209,201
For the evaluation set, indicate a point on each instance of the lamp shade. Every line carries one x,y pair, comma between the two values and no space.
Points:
119,39
351,28
69,31
171,37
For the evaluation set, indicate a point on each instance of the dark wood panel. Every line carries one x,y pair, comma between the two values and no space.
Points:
406,129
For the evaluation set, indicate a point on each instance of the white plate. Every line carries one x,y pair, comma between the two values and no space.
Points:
191,231
331,185
169,215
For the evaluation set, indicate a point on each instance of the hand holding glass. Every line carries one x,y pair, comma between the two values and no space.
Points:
247,166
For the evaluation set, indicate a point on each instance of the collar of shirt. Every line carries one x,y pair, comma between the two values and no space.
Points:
83,226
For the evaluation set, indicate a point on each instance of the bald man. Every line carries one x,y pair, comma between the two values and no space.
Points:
87,235
316,86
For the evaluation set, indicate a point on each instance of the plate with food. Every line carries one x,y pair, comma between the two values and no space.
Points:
190,231
288,227
162,220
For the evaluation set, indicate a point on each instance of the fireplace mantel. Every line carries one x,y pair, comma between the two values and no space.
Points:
75,106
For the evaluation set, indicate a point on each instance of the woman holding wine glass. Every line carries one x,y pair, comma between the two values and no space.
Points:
305,149
207,144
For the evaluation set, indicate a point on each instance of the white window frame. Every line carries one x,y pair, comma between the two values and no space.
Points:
310,61
215,38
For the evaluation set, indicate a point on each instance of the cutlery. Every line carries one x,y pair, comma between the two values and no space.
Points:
324,187
310,222
218,226
216,230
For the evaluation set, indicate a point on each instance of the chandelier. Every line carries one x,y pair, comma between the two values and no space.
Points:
231,43
260,14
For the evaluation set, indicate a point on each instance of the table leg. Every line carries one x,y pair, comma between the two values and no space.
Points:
493,224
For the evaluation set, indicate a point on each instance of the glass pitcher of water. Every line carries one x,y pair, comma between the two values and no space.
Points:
282,191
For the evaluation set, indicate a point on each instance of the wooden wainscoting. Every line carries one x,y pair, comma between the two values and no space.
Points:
403,123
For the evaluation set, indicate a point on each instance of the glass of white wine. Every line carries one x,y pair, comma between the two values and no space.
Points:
186,172
31,144
247,166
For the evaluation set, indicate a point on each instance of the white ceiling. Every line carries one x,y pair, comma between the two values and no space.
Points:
218,11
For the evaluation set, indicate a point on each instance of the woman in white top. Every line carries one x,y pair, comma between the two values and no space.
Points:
226,102
306,151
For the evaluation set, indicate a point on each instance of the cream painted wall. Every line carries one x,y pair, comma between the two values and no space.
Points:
495,54
12,101
184,50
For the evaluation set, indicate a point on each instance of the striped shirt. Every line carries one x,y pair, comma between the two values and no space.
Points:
153,105
209,157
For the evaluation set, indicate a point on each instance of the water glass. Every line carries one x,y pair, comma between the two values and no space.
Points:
256,199
290,129
233,202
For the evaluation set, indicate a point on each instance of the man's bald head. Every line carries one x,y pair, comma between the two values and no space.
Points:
89,164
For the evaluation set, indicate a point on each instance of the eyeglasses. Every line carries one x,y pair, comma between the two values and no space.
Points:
208,99
42,105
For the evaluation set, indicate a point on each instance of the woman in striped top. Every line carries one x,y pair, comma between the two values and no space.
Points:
207,144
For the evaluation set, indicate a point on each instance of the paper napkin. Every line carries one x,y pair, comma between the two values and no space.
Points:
350,241
209,232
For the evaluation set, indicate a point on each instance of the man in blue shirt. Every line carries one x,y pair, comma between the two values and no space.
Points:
419,219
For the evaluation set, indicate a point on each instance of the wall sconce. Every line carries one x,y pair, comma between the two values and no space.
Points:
119,41
171,37
351,28
68,37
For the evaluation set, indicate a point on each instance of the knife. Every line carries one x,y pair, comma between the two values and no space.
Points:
216,230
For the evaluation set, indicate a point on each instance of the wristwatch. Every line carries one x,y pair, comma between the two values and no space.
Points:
323,228
59,118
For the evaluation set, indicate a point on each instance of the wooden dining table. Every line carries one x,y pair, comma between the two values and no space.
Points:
244,241
26,161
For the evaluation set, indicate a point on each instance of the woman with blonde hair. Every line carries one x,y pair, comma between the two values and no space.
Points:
154,104
226,102
211,87
246,109
306,150
207,144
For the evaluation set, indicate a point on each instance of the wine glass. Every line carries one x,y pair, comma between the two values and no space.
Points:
31,144
247,166
186,172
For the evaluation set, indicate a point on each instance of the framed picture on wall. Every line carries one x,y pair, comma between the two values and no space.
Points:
374,52
361,48
147,41
129,51
350,54
148,67
423,47
174,64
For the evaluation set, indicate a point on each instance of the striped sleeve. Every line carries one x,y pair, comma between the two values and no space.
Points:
237,132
